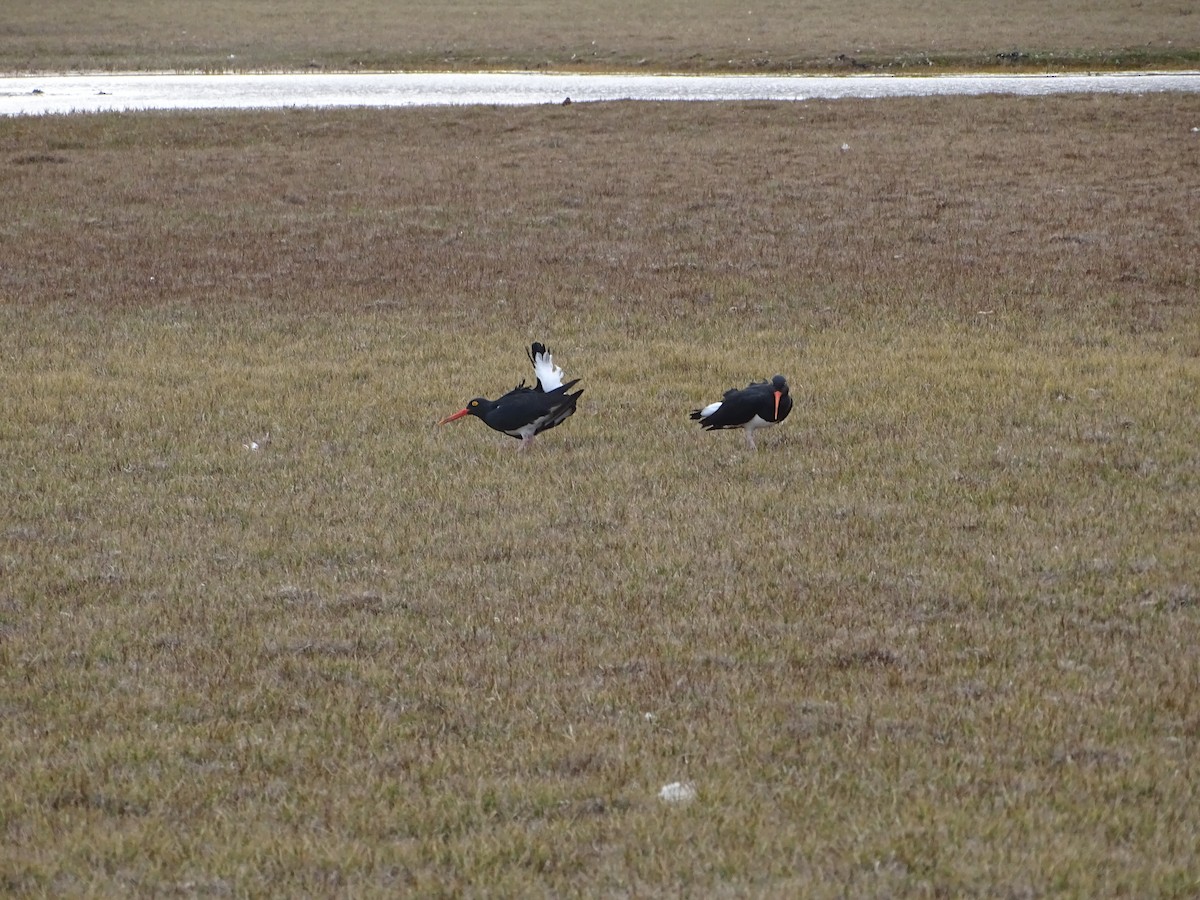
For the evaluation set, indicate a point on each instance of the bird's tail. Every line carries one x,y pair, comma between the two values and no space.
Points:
549,376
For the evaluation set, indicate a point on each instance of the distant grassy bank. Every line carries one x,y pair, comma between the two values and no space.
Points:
937,637
579,35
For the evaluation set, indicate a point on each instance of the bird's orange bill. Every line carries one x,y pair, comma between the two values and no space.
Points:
451,418
778,395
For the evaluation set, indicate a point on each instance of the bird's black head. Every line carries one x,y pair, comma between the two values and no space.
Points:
783,403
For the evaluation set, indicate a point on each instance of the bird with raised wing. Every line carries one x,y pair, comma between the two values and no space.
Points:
758,405
525,412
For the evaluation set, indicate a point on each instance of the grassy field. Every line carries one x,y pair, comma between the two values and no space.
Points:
937,637
675,35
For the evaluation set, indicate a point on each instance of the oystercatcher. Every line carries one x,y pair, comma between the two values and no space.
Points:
758,405
527,411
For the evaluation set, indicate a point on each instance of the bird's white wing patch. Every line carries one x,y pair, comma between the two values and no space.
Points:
550,375
710,409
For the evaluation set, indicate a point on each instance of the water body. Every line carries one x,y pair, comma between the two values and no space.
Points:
42,95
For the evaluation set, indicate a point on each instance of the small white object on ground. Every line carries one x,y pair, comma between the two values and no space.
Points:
678,792
261,444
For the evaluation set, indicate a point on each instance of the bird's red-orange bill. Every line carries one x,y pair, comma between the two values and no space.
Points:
452,417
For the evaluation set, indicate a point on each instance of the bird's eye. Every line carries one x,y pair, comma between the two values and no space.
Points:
474,403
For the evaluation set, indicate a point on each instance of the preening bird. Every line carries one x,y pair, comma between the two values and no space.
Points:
760,404
527,411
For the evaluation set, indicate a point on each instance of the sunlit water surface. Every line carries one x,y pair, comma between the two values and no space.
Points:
40,95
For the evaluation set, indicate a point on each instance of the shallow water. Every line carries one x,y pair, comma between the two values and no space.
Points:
40,94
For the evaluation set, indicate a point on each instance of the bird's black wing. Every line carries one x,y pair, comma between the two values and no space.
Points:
738,407
524,406
563,405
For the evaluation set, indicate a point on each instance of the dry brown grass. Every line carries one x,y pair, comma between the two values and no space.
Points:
937,637
585,34
510,215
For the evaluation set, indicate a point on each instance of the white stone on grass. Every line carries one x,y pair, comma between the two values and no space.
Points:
678,792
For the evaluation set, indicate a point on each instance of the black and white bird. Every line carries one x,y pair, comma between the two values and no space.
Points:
527,411
759,405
